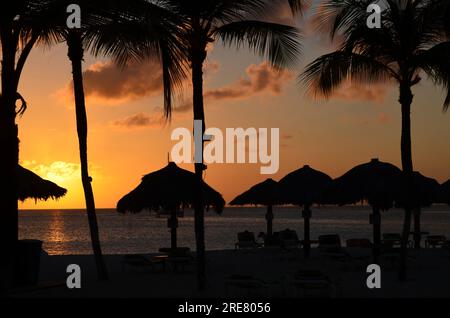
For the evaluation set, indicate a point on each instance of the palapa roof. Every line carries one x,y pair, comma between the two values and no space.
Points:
383,185
30,185
264,193
377,182
444,193
304,186
170,187
425,191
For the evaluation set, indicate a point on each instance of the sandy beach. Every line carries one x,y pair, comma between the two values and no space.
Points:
428,276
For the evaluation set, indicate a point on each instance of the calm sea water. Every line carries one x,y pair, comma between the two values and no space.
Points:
67,232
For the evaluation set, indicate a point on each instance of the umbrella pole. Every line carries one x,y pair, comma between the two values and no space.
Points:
307,229
376,222
417,229
173,224
269,219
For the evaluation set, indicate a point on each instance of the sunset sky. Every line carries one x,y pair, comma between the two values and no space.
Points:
127,138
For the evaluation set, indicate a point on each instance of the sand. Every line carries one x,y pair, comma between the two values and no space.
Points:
429,276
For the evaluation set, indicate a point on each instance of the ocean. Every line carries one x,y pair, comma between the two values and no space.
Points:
66,232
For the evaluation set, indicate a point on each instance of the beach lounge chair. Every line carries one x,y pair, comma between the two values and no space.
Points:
175,251
359,250
391,240
250,285
435,241
363,243
330,247
272,241
138,261
390,248
178,259
330,243
289,239
246,239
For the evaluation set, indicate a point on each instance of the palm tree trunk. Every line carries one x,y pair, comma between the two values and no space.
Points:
173,222
376,220
269,220
197,59
307,231
9,231
417,228
405,100
76,57
9,145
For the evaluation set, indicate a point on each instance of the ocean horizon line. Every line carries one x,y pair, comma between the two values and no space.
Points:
353,206
226,206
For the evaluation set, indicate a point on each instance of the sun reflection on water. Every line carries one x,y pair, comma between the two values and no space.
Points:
56,235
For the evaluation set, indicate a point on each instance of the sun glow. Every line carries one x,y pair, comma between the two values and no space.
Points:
66,175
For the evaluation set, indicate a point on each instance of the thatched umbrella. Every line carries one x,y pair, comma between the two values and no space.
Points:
170,189
424,192
265,193
30,185
376,182
444,193
304,187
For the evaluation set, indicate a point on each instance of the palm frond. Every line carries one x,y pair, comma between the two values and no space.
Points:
147,31
223,11
324,75
435,62
434,16
334,16
174,72
410,39
380,44
298,6
279,43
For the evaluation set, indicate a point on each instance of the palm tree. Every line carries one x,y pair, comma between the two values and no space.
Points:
20,29
75,54
412,39
233,22
118,30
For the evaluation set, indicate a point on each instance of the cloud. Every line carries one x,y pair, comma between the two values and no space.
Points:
260,78
375,93
379,118
211,67
179,107
182,108
384,118
58,171
109,84
105,83
65,174
139,120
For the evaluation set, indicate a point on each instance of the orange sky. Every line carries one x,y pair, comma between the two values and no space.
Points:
127,138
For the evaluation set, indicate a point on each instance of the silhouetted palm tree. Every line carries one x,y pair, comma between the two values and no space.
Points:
75,54
123,31
21,28
238,23
412,39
